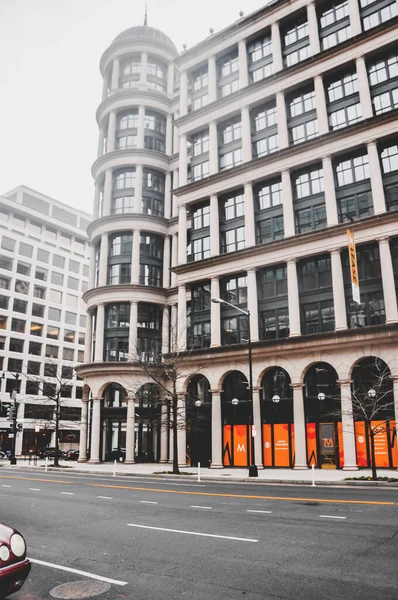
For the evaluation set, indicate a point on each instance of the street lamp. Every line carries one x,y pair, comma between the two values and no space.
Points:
253,472
372,393
13,418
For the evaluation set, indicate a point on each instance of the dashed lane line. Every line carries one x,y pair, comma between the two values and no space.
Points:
77,572
202,507
212,535
34,489
68,493
330,517
266,512
148,502
105,497
6,486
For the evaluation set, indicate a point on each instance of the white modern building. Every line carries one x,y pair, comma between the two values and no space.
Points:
44,264
231,171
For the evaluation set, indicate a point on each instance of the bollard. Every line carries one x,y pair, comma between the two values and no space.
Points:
114,469
45,470
198,472
313,475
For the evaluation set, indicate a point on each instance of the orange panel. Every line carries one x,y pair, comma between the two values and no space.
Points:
381,444
393,441
227,450
312,457
240,446
360,441
267,449
293,447
281,445
341,443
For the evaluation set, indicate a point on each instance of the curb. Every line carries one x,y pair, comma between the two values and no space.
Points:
210,478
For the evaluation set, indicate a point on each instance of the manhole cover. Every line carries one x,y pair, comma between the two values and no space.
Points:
79,589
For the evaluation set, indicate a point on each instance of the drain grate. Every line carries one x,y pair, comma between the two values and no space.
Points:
79,590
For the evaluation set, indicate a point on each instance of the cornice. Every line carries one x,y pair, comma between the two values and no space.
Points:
137,97
127,157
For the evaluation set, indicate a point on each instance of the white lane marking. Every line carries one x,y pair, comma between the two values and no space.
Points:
330,517
35,489
68,493
105,497
212,535
148,502
78,572
6,486
204,507
266,512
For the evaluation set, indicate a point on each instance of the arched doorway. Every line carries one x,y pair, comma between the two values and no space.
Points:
113,423
374,414
277,418
236,411
198,412
322,406
148,423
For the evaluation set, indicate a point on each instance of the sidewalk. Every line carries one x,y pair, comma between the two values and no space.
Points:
322,476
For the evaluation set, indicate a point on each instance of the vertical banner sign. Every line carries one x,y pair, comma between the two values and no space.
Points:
360,443
227,450
281,445
240,449
267,441
312,457
352,253
381,443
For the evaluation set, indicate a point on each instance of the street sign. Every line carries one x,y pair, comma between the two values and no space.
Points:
254,431
352,253
10,435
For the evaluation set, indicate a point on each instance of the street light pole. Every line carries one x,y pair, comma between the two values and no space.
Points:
253,471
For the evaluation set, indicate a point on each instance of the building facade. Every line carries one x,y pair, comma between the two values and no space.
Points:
231,171
44,264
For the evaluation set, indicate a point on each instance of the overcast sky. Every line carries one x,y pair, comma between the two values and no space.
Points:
50,85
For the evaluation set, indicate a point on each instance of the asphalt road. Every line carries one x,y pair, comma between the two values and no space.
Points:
157,539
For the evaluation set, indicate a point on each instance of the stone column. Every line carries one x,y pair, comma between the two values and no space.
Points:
167,196
313,29
169,135
166,330
83,430
216,430
283,135
213,148
95,431
182,235
252,303
287,198
174,258
183,93
107,202
182,319
93,267
166,262
110,140
144,71
330,192
293,298
243,69
183,162
141,128
133,334
215,314
101,139
170,79
99,333
105,87
214,226
135,257
347,419
355,18
138,189
299,427
115,75
364,91
258,446
212,78
387,277
246,134
182,432
174,330
97,200
130,429
103,260
250,227
163,434
321,112
376,179
276,47
88,337
174,199
340,313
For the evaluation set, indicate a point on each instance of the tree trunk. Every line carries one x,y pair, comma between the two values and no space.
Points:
56,456
176,470
373,455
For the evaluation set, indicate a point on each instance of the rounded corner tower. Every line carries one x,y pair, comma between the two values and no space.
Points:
130,299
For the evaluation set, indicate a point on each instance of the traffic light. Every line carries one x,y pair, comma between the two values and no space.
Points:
9,412
19,426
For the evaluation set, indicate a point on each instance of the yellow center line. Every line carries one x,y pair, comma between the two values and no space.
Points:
36,479
250,497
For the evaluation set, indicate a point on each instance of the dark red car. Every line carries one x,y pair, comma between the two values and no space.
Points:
14,566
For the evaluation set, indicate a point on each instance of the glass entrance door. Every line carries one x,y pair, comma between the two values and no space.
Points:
327,446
